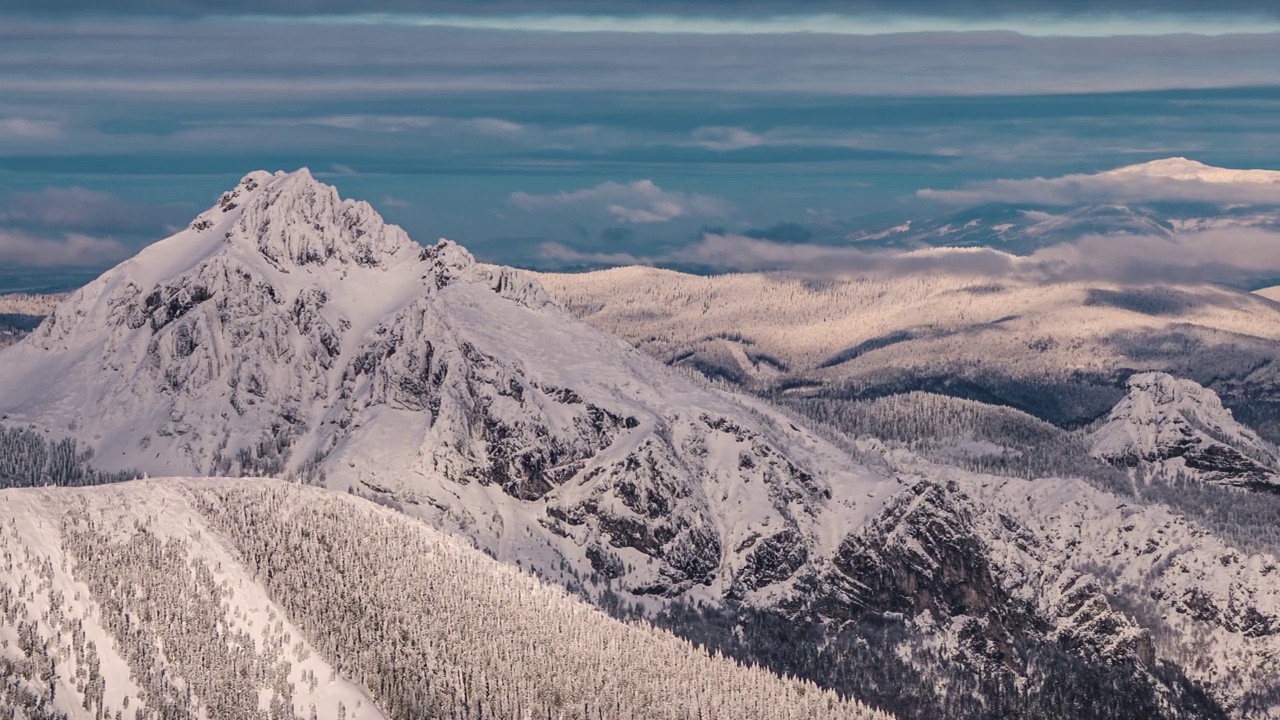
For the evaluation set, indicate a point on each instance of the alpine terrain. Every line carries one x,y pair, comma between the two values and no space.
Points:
1023,228
197,598
1061,351
928,556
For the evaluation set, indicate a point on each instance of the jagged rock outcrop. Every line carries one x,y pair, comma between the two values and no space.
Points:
287,332
1178,428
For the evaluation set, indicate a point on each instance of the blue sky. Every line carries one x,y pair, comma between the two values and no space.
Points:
602,127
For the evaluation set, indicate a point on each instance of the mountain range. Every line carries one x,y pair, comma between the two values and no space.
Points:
926,554
1161,198
1058,350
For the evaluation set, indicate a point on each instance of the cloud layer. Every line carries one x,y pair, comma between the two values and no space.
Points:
254,60
72,249
75,226
82,210
696,8
1171,180
1237,256
641,201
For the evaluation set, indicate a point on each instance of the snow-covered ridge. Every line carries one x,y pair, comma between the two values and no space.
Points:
769,331
207,598
1177,426
287,332
1182,169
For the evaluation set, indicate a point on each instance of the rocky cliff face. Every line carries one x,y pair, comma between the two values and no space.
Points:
288,332
1176,427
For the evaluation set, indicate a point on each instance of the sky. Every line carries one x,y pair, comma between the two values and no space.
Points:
542,133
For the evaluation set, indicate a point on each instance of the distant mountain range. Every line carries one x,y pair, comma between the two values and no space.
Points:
1160,198
1058,350
948,497
1022,230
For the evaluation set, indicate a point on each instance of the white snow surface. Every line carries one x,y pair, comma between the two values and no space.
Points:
1183,169
861,329
1117,576
288,326
430,621
1171,421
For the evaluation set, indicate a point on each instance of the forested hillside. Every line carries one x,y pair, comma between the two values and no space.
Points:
1057,350
259,599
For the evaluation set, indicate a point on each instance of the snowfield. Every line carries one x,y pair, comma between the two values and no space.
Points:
1056,350
915,552
198,598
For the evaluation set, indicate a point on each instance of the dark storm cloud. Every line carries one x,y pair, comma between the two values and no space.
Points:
941,8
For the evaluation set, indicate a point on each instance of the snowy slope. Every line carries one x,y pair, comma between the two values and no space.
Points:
1180,168
289,332
1200,604
186,598
1114,578
1066,346
1176,427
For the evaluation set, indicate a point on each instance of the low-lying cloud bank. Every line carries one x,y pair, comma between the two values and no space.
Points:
1237,256
71,249
1170,180
74,226
641,201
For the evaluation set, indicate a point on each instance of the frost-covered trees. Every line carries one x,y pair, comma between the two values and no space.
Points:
434,628
255,599
21,313
30,459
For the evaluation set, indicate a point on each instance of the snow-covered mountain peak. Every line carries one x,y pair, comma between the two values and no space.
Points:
290,332
293,219
1176,424
1185,170
1152,393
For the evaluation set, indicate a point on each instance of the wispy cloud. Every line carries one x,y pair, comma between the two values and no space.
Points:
711,16
1232,256
73,249
381,123
1174,179
561,255
641,201
29,128
245,59
727,138
75,226
1229,255
77,209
